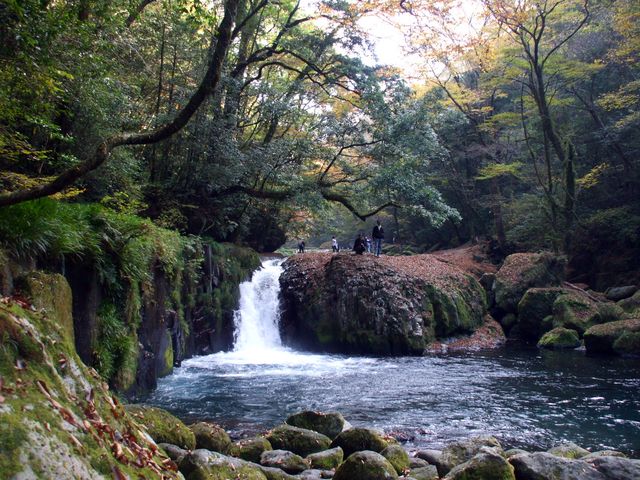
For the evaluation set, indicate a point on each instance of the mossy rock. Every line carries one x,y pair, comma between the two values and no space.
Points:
365,465
459,452
398,457
211,437
297,440
508,321
163,427
560,338
631,305
483,466
51,292
428,472
522,271
284,460
568,450
205,465
327,459
359,439
47,393
174,452
601,338
603,453
329,423
535,305
250,449
575,311
627,344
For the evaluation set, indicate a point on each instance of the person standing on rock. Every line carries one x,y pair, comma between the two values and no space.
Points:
301,246
334,245
378,236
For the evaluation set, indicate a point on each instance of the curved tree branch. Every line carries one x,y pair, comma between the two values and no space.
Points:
209,82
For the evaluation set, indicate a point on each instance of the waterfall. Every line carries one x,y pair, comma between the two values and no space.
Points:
256,320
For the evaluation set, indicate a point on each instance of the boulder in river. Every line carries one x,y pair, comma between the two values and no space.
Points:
461,451
575,310
397,456
327,459
205,465
376,305
620,293
329,423
359,439
211,437
287,461
430,472
622,337
298,440
615,467
568,450
486,465
251,449
560,338
365,465
536,304
545,466
522,271
433,457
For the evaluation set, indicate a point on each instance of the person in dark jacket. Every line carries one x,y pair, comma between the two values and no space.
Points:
378,236
359,245
301,246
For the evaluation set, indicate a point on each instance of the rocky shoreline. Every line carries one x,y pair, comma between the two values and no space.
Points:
315,445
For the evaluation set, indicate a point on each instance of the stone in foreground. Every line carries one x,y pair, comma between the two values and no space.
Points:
287,461
459,452
621,337
251,449
568,450
359,439
545,466
163,427
560,339
397,456
487,465
329,424
366,465
211,437
298,440
327,459
430,472
205,465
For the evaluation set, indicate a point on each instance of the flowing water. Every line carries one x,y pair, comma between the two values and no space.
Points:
527,398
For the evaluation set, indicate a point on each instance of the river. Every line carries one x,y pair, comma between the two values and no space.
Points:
525,397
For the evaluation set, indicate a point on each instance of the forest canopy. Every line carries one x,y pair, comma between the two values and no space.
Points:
252,120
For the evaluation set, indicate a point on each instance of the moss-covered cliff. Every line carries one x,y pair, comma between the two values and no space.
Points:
144,297
58,418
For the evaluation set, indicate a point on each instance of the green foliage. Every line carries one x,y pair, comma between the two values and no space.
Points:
116,347
495,170
45,226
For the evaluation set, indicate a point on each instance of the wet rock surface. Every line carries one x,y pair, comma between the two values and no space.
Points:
377,305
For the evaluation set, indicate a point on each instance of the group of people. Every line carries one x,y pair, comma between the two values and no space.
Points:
361,244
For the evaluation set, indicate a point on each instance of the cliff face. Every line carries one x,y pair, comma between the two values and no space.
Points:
58,419
385,305
137,334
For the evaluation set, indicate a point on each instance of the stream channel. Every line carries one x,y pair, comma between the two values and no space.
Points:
526,397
